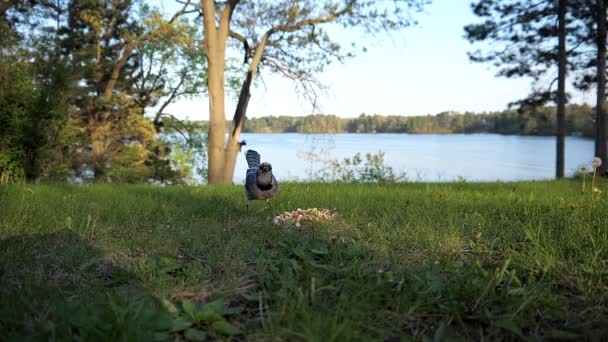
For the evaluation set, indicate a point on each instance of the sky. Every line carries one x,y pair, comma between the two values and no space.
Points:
421,70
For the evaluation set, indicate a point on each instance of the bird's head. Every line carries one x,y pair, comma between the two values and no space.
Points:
265,167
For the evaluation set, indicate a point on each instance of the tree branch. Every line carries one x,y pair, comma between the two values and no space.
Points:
170,99
243,40
285,70
187,138
313,21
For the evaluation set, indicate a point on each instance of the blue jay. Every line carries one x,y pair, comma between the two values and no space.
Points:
259,181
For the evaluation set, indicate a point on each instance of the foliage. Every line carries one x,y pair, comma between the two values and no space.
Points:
495,261
531,121
76,79
587,36
34,108
524,39
188,149
372,169
301,35
15,101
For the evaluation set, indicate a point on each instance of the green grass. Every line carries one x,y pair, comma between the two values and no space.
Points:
501,261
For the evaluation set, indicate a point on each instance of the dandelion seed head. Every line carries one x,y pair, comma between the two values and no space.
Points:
596,162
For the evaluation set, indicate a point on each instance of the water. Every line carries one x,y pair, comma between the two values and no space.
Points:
432,157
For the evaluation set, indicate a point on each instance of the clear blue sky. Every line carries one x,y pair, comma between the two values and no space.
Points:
422,70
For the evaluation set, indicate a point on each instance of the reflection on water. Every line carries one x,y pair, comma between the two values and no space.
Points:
432,157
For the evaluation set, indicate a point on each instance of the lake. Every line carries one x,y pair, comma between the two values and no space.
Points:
423,157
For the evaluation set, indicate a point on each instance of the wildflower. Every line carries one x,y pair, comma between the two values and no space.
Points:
597,190
583,170
596,162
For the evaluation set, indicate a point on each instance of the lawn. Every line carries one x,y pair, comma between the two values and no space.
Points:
496,261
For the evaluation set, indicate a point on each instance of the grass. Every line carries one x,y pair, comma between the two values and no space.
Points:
500,261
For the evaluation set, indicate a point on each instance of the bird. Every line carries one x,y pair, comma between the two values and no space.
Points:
260,183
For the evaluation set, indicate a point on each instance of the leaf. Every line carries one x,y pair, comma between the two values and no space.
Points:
295,266
162,322
252,297
170,307
561,335
323,267
216,305
89,263
440,334
169,268
189,308
231,311
319,251
161,336
195,335
180,323
219,307
517,292
224,328
510,326
207,315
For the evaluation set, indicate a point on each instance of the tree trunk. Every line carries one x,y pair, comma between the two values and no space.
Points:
561,91
600,123
120,63
97,149
233,147
215,48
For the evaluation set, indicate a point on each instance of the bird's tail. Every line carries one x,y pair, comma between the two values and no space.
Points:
253,159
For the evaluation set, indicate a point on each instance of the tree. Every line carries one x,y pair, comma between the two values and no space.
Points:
115,46
76,77
593,65
287,37
532,38
171,67
34,92
600,123
561,90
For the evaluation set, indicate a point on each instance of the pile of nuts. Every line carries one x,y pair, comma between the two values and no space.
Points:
299,216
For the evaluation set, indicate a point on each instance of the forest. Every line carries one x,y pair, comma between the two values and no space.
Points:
537,121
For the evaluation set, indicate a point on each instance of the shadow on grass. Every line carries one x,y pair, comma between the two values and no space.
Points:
57,286
62,285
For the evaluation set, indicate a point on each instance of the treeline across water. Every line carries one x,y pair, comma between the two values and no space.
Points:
539,121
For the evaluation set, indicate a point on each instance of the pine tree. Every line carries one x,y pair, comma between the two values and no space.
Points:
530,40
